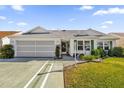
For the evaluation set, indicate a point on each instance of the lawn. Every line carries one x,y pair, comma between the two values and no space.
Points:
108,74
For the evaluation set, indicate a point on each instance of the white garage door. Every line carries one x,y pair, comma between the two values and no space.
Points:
35,48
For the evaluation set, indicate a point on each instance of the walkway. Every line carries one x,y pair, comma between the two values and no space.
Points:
50,75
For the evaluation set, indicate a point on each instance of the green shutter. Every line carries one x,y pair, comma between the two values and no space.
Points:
92,44
110,44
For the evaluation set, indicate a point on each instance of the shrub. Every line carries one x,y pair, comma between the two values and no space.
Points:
110,53
81,56
96,57
123,52
117,51
102,52
98,52
88,57
7,51
95,52
57,52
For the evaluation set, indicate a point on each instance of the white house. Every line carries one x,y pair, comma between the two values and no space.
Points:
40,42
3,37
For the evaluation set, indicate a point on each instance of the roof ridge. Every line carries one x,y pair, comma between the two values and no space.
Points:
35,28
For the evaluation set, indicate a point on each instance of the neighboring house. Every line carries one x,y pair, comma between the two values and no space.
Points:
120,41
40,42
3,37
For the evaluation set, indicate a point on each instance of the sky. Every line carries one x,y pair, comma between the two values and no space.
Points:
103,18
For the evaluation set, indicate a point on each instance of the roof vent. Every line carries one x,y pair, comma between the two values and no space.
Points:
63,30
90,29
79,35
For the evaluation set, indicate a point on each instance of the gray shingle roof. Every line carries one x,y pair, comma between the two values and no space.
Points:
89,32
35,30
110,37
40,32
121,34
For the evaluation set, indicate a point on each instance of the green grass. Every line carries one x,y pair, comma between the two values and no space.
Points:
108,74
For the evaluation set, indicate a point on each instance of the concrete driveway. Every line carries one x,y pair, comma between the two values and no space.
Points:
50,75
31,73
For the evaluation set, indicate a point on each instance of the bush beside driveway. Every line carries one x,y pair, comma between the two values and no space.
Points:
108,74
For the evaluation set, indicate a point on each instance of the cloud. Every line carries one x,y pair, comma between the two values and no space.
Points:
72,19
3,18
22,24
115,10
104,26
108,22
17,7
10,22
86,7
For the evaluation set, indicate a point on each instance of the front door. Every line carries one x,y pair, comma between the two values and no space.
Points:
87,46
65,47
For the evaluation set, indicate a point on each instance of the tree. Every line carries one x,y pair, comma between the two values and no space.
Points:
7,51
57,52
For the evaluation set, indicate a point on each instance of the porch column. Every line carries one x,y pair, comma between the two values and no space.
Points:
95,44
84,51
92,44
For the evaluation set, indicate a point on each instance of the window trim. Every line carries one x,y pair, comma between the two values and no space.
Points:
103,44
80,45
89,45
108,45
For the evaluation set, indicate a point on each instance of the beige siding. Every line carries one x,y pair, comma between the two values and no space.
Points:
120,42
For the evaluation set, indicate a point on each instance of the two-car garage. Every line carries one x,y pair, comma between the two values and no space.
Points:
35,48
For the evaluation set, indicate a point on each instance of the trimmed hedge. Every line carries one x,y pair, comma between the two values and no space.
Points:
7,51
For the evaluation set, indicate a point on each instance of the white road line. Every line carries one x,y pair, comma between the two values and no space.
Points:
46,77
29,82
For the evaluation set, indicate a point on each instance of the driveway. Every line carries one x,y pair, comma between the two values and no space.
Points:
35,73
48,76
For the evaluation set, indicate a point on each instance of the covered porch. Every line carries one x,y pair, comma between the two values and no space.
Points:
85,46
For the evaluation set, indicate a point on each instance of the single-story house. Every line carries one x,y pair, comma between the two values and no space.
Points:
3,37
120,41
40,42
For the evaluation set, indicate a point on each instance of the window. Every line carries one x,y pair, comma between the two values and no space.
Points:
80,45
100,44
87,45
103,44
106,45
